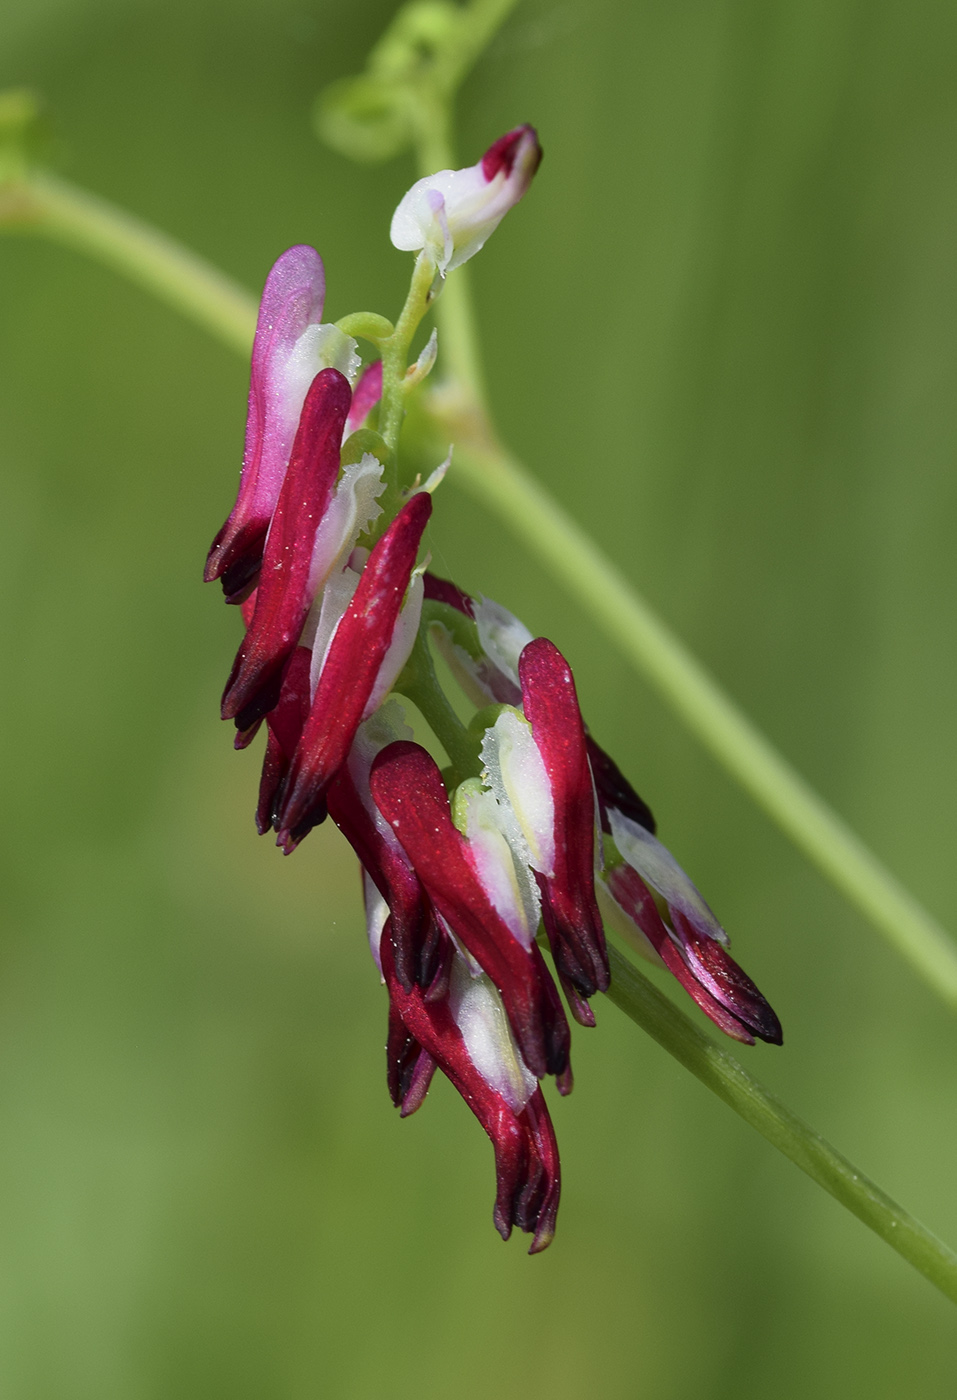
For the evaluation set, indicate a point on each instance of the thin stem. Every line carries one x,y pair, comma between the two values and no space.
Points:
46,205
633,994
419,683
395,350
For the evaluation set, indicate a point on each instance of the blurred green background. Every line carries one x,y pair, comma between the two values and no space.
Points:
723,328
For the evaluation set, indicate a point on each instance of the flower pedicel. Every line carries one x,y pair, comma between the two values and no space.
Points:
532,825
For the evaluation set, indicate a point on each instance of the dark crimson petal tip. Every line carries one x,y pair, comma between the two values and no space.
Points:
442,590
349,673
572,920
726,982
708,974
408,790
501,155
528,1174
282,598
292,300
614,790
409,1068
284,724
412,927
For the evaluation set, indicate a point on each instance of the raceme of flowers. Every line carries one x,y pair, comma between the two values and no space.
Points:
531,825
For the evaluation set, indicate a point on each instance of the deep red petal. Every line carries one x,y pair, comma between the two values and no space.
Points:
501,154
572,920
712,965
282,598
350,670
285,723
408,790
442,590
528,1175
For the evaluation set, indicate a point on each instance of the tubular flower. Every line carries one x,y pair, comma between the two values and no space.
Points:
451,214
531,832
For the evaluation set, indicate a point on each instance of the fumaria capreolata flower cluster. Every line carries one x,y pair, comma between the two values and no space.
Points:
532,829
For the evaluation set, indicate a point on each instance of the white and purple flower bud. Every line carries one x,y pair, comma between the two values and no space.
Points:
452,213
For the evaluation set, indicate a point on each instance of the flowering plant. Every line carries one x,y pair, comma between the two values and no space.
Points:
528,835
530,821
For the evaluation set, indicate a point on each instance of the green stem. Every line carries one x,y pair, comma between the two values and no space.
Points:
395,350
419,683
51,207
633,994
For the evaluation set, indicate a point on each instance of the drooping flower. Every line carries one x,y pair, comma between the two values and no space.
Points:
453,212
532,823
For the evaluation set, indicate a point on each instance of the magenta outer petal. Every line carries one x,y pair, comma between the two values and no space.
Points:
412,926
282,598
408,790
349,673
569,910
526,1153
703,967
716,971
292,300
366,395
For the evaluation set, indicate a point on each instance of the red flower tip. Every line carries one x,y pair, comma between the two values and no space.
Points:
442,590
503,153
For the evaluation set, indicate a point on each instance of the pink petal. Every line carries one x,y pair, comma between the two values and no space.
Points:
368,392
292,300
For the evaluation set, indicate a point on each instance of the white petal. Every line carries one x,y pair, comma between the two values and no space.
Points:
516,773
336,597
351,511
502,636
480,1016
659,869
502,869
